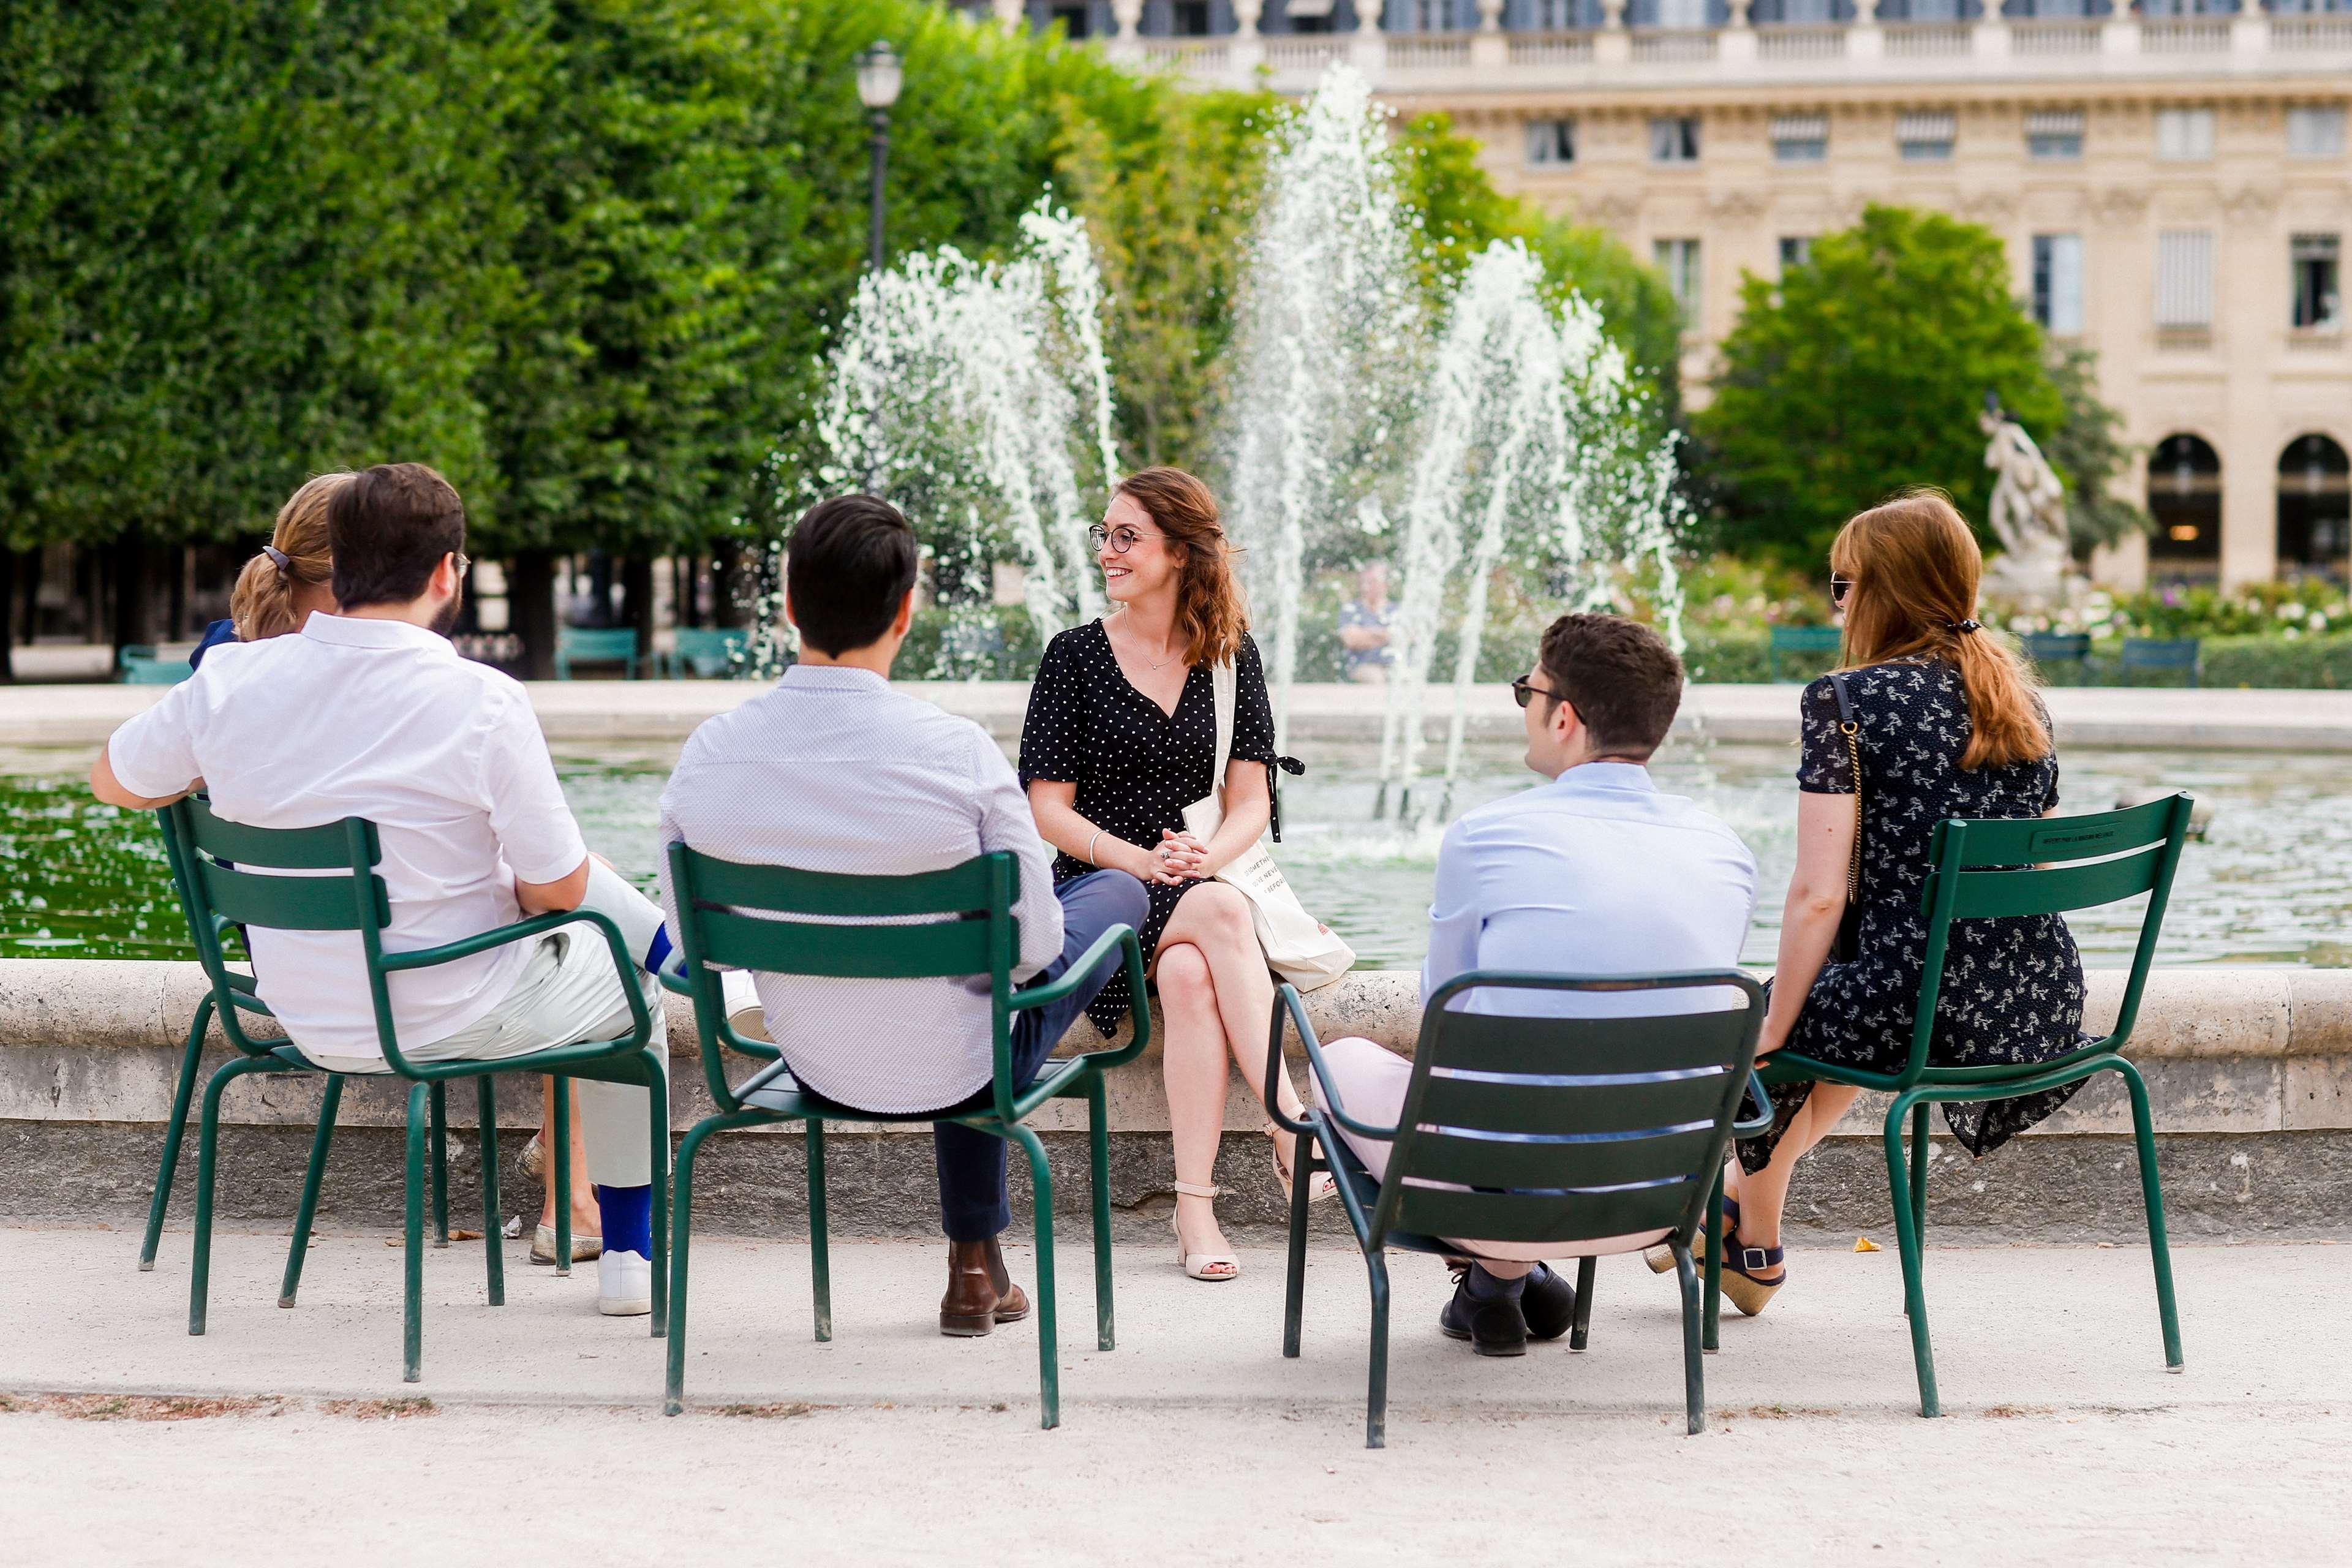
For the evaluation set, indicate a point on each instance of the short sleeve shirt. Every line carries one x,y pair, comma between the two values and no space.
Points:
380,719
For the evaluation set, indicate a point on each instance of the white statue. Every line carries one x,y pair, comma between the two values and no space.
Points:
2029,516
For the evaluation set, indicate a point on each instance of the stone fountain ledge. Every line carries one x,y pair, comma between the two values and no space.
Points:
577,712
2251,1071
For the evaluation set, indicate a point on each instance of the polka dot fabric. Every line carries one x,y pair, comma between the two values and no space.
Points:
1137,767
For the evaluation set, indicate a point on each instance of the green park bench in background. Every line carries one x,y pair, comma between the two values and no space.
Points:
711,652
139,667
586,645
2160,657
2059,653
972,934
1811,642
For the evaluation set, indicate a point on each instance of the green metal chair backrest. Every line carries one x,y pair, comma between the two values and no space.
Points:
2161,653
783,921
711,649
213,863
1567,1129
129,651
148,671
2007,866
1799,639
2058,648
594,644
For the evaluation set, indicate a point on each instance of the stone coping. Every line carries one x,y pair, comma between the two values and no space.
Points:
668,710
2245,1049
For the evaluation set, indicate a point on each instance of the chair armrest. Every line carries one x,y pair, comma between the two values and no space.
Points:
624,966
1118,936
1286,1000
1756,1122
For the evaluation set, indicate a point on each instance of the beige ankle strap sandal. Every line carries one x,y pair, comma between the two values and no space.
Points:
1214,1266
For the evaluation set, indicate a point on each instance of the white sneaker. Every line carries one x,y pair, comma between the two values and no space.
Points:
625,1285
742,999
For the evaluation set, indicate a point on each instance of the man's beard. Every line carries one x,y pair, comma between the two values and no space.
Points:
447,618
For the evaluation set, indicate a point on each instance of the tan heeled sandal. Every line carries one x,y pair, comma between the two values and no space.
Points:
1199,1264
1322,1187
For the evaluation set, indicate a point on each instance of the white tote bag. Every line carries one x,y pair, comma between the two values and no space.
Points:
1298,947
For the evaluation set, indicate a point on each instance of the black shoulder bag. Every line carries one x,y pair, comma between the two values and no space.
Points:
1849,936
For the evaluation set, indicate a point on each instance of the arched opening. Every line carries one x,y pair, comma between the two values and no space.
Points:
2184,497
2315,507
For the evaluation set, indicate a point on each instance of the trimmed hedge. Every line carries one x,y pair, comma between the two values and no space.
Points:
2294,664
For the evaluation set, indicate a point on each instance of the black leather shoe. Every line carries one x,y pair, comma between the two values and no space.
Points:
1493,1328
1549,1303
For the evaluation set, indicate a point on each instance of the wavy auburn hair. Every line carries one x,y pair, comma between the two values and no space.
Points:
262,603
1915,568
1209,609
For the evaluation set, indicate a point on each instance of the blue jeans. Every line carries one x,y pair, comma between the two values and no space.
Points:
972,1204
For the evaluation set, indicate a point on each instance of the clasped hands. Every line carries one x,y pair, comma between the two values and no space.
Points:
1177,859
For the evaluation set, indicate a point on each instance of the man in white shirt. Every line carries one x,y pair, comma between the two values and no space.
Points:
1595,873
834,771
370,712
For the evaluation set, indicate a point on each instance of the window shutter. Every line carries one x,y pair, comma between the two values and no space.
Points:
2184,278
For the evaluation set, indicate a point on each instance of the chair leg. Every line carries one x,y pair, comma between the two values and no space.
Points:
494,1255
1581,1325
1376,1393
1711,1317
1041,1199
297,1254
2151,1192
200,1261
440,1164
1920,1149
657,1134
412,1286
1294,1277
175,1131
820,1254
1694,1357
1099,1158
563,1174
1915,1299
681,1237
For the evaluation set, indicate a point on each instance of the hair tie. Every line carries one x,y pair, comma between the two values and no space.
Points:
1964,628
278,558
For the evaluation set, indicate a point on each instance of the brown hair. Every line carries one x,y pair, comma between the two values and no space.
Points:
1209,607
1915,567
262,603
1622,679
389,526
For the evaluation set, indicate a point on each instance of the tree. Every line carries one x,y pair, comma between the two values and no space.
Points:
2089,452
1861,373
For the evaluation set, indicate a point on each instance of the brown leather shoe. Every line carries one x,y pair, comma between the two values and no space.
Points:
969,1309
1012,1304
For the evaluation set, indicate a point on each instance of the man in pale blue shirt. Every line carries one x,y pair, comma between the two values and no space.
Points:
1594,873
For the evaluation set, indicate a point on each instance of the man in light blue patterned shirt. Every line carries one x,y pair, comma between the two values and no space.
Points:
1595,873
834,770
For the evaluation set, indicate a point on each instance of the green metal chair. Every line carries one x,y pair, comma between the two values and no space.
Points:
217,895
2183,657
711,652
2058,652
978,936
1987,870
1542,1130
141,667
585,645
1810,641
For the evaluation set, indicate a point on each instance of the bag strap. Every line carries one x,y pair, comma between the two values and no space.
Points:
1852,730
1226,682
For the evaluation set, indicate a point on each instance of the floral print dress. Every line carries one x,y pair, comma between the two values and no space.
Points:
2012,990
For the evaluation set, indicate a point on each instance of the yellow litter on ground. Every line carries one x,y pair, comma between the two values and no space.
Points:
1864,1243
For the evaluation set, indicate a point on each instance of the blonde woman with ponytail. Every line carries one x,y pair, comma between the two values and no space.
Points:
278,588
1946,723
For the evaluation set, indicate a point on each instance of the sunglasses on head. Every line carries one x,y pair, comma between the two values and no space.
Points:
1121,539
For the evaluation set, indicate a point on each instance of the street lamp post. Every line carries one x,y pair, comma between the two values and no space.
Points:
878,79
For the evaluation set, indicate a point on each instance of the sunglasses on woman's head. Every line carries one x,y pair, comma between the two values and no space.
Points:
1527,692
1121,539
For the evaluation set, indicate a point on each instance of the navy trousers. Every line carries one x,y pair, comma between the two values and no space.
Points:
972,1204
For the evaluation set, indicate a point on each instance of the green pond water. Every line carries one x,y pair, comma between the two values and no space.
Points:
2272,881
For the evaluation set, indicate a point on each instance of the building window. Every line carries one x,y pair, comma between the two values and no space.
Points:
2317,262
2058,283
2053,135
1687,15
1796,250
2184,135
1552,143
1421,15
2184,496
1190,18
1679,260
2315,131
2184,280
1073,19
1674,139
1800,138
1925,137
1554,15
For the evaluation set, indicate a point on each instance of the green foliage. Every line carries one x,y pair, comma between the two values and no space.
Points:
1863,373
2088,448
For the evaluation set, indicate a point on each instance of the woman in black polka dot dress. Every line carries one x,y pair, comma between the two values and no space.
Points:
1121,735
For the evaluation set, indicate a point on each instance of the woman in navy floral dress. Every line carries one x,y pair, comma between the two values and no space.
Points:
1948,726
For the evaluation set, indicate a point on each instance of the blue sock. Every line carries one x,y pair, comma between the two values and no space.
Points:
657,951
628,1215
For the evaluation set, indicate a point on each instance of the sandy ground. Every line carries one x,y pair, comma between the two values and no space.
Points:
287,1435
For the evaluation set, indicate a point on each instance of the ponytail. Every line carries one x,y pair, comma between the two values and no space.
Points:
262,604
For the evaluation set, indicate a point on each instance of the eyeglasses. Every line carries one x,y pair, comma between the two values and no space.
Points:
1527,692
1121,539
1839,588
464,563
